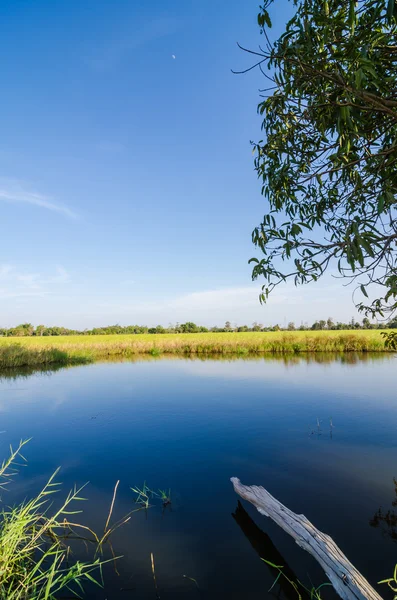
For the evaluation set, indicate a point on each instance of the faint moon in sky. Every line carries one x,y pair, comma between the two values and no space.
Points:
173,56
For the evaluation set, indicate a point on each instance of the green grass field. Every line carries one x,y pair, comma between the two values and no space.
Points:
32,351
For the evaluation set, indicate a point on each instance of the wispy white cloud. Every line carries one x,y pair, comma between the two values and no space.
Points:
14,192
128,303
5,270
18,285
62,276
128,282
5,293
238,304
30,280
225,298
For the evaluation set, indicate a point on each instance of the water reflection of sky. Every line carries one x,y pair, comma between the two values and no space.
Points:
191,425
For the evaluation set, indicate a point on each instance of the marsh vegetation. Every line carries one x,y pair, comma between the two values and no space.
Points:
69,350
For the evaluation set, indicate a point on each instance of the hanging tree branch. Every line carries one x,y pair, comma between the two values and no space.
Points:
328,160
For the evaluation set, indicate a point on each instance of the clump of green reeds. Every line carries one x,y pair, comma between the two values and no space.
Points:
144,495
35,557
18,355
298,587
155,351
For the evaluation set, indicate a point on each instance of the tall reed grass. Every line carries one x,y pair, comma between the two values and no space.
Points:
35,558
20,355
68,350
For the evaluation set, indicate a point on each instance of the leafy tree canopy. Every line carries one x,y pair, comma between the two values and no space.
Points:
328,161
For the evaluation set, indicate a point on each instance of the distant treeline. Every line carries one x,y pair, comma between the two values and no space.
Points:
27,329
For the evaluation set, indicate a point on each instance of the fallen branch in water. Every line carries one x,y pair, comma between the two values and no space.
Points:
347,581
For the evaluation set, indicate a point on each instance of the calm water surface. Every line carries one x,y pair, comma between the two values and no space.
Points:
190,425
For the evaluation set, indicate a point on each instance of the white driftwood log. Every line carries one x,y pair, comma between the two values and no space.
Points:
347,581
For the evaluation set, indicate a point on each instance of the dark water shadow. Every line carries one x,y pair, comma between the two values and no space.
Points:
265,548
386,520
289,585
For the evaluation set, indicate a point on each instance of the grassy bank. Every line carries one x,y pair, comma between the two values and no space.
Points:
67,350
15,355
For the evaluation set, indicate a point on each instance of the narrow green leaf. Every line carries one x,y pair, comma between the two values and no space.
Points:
390,10
364,291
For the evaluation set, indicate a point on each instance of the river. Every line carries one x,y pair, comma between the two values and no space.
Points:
318,432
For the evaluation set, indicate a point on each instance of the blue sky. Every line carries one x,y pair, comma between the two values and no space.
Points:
127,189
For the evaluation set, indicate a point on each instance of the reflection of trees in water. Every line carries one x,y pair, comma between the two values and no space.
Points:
386,520
17,373
289,360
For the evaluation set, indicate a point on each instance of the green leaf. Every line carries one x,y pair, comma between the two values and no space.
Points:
264,19
364,291
390,10
358,78
367,246
352,15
